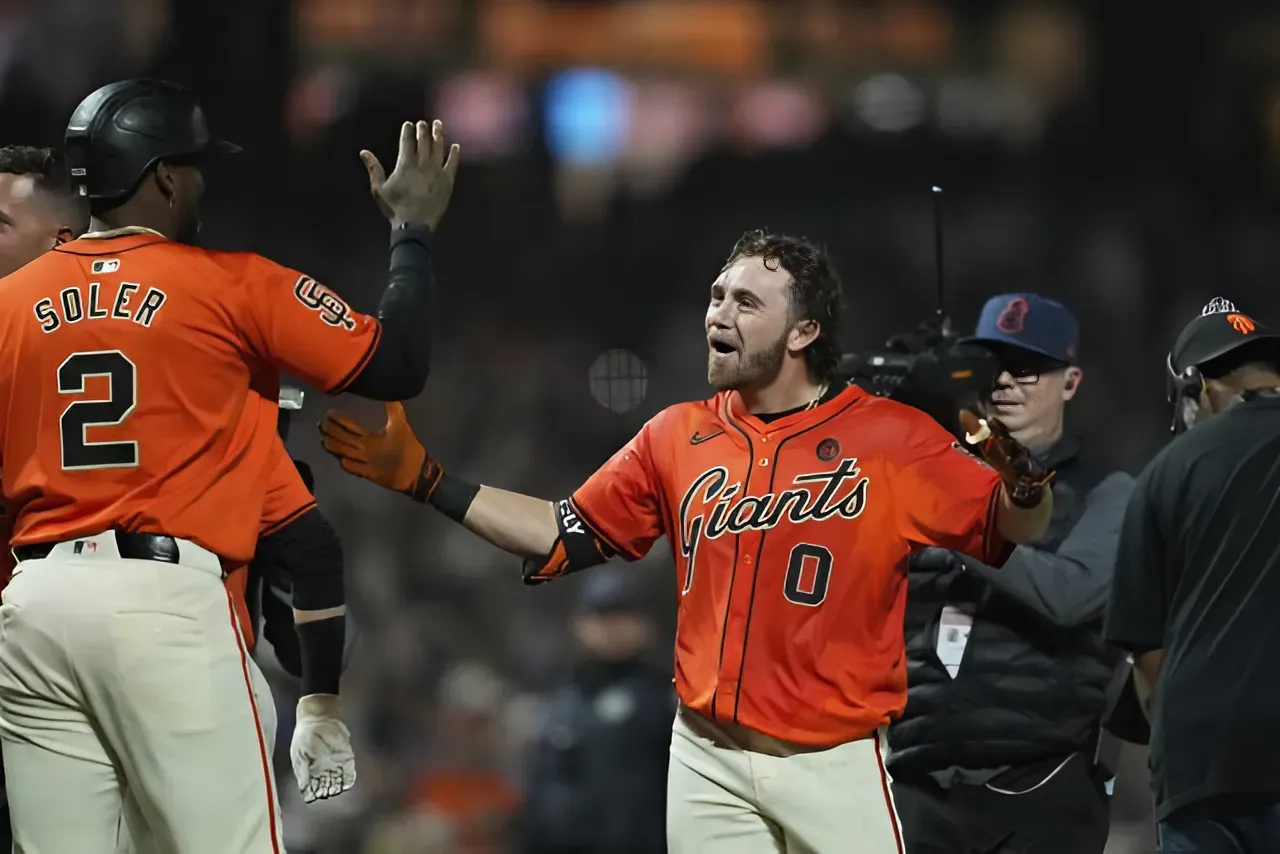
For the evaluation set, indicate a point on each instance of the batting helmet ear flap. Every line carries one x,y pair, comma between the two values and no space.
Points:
1183,390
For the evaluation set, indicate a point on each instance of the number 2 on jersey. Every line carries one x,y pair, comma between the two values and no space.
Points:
122,379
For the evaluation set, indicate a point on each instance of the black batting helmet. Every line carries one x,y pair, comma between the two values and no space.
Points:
121,131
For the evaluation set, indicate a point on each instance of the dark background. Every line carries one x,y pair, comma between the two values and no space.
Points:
1121,157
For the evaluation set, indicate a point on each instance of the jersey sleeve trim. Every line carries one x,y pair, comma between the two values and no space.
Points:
601,534
341,386
276,526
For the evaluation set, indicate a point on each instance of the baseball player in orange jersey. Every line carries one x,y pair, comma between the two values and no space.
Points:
134,445
791,504
39,212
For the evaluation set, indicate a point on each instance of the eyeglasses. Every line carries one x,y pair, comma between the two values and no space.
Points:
1029,373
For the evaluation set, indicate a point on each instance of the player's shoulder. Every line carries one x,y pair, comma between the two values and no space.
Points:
679,417
36,271
131,255
864,411
244,267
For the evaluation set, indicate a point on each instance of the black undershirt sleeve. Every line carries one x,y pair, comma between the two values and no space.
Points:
399,366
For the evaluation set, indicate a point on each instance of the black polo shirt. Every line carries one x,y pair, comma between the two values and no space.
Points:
1198,575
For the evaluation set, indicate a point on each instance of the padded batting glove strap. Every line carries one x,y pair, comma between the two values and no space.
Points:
323,761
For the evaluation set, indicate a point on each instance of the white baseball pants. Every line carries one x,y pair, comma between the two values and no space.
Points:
732,790
129,679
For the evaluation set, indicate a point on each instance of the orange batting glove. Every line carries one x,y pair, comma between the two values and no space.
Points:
393,457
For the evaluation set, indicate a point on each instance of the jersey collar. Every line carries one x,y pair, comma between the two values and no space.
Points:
119,232
111,242
735,410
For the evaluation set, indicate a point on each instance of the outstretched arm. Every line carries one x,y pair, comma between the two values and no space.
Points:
555,538
394,458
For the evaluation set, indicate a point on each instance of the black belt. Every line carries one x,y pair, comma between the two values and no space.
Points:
132,546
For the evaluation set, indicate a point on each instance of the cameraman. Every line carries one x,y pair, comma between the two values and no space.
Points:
1007,671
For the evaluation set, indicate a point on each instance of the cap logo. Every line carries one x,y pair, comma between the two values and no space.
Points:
1218,305
1014,316
1241,323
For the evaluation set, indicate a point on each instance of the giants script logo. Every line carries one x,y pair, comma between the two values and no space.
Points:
1013,317
317,297
711,506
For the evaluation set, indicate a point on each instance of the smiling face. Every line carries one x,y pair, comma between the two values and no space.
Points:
749,325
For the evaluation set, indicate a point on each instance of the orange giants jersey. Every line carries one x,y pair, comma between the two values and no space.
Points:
791,541
131,371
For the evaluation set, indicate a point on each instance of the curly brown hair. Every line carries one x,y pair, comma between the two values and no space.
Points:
815,292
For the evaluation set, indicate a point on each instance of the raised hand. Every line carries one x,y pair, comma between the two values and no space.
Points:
419,188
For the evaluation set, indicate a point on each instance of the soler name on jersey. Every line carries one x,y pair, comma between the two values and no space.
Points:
94,302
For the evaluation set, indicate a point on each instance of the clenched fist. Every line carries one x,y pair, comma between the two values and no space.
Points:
1024,476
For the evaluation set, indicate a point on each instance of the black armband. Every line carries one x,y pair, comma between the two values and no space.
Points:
451,495
322,643
398,368
577,548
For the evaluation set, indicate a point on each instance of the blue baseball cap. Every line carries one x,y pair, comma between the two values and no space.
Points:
1029,322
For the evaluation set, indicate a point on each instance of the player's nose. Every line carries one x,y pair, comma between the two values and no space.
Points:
720,316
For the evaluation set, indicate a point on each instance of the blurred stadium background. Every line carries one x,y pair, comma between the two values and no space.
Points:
1121,157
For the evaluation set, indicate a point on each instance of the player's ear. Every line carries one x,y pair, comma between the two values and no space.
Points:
803,334
166,182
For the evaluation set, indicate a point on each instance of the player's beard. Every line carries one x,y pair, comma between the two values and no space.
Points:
744,370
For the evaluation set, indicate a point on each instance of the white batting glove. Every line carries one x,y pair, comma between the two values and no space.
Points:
321,752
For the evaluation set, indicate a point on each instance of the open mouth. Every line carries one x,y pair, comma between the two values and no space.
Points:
719,345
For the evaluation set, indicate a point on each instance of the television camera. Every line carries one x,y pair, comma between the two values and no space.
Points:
930,367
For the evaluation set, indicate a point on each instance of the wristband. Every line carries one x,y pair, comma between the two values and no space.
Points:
452,496
323,645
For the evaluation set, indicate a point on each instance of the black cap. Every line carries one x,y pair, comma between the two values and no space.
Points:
1219,330
609,589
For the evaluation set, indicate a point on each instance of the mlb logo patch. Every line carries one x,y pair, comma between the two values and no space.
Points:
109,266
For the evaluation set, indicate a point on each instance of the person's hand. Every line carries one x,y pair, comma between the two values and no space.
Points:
392,457
323,762
418,189
1024,476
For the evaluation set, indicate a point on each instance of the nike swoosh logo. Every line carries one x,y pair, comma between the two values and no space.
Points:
696,439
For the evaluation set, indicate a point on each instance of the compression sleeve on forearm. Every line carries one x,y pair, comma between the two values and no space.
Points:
321,642
399,366
308,553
